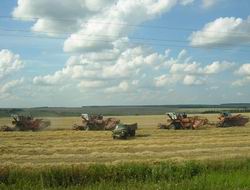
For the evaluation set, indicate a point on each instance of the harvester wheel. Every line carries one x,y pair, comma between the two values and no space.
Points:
172,126
175,126
132,133
218,125
225,124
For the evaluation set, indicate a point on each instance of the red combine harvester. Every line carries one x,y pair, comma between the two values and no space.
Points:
182,121
226,119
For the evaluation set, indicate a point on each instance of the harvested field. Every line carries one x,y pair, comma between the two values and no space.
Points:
56,147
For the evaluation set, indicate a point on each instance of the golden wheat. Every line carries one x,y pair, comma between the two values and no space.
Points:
53,146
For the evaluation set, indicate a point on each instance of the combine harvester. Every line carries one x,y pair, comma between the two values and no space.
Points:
182,121
226,119
96,122
26,123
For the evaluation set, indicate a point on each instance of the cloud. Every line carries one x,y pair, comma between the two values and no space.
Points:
186,2
135,65
196,68
191,80
209,3
217,67
190,68
7,89
88,84
133,61
122,87
116,64
92,24
162,80
53,16
10,85
103,58
242,82
194,74
99,34
9,63
244,72
227,31
244,69
115,22
48,80
166,79
189,72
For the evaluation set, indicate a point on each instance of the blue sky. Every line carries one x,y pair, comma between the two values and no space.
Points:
114,52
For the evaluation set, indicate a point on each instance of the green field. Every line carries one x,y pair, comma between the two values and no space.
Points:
226,175
58,149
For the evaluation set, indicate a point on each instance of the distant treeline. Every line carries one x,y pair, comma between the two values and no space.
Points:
229,110
123,110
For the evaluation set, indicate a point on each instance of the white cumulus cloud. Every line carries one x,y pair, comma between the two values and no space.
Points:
7,89
191,80
227,31
9,63
103,57
87,84
217,67
10,85
92,24
115,22
58,15
131,63
244,72
122,87
166,79
209,3
244,69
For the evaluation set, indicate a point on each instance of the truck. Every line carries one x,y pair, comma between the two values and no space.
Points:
123,131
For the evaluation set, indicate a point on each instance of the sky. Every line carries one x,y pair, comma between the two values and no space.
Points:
121,52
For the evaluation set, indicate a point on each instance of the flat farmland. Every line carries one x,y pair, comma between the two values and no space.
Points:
59,145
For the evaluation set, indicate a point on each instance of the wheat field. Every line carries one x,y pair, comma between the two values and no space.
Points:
58,144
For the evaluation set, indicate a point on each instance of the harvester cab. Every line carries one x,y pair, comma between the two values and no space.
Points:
225,114
174,116
85,116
